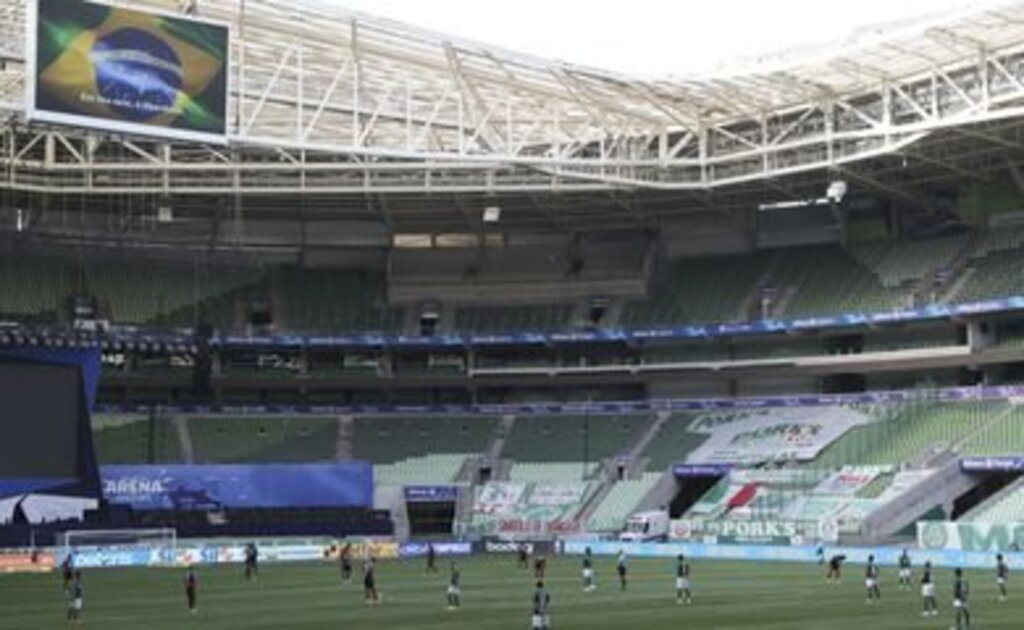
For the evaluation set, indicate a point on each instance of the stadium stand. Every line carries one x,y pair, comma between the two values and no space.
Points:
392,439
698,290
335,300
1007,507
672,442
811,274
565,438
906,434
122,439
1003,436
499,319
620,502
898,265
270,439
33,289
437,469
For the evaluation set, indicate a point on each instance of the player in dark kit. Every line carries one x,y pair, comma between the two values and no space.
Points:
524,557
68,570
346,563
930,607
370,594
588,571
622,567
191,589
252,561
540,567
683,581
1002,576
835,569
541,602
871,574
75,598
961,591
431,558
455,589
905,574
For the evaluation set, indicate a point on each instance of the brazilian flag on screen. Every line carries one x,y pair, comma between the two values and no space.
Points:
127,66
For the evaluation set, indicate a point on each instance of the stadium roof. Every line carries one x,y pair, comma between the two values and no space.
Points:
332,102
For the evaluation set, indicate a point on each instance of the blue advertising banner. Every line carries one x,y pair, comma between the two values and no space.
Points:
201,487
987,464
431,494
701,470
415,549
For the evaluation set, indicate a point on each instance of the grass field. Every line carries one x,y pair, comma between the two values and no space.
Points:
496,596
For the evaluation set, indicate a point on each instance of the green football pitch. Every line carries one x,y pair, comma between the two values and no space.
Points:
496,595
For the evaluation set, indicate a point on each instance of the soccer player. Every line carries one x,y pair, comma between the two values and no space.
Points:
252,560
191,587
1002,576
75,598
68,569
370,594
961,591
683,581
540,567
431,558
541,603
588,571
524,557
905,573
622,566
346,563
835,569
455,589
871,575
930,608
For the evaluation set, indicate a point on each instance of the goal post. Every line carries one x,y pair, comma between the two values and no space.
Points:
164,540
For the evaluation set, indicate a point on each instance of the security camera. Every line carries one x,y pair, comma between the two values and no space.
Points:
836,191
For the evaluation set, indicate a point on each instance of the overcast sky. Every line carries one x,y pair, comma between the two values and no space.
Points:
651,37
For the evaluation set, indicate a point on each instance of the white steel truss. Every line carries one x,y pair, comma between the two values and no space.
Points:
327,101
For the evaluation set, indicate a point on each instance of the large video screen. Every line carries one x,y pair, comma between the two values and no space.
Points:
124,70
39,407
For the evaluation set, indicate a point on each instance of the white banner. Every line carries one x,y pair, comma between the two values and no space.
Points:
761,435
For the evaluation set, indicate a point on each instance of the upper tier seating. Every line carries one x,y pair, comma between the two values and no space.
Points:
500,319
573,438
698,291
905,434
263,439
391,439
132,439
828,280
899,264
335,300
672,443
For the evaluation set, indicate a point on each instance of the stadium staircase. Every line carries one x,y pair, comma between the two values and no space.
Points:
343,450
185,439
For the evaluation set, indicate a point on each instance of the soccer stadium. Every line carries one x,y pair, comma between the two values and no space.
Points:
316,318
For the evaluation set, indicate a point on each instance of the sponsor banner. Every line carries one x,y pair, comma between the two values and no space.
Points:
185,487
120,69
95,557
531,527
557,494
754,436
986,464
507,547
26,562
976,537
431,494
381,550
415,550
741,532
849,480
701,470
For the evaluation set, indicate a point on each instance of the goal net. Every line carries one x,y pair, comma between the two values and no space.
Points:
164,541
